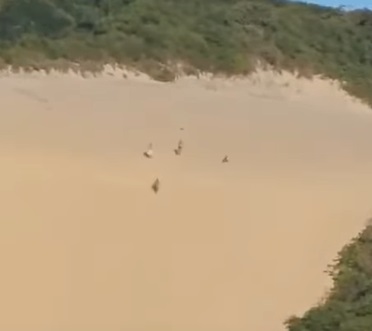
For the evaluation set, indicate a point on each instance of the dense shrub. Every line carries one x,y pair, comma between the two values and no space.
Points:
348,307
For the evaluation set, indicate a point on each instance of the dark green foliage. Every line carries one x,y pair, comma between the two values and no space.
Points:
39,17
348,307
223,36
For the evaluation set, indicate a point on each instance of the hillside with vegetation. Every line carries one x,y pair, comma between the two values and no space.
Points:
220,36
348,307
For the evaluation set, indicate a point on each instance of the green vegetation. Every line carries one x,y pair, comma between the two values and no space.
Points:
348,307
221,36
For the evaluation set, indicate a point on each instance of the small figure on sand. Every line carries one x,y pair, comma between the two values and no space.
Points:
225,159
156,185
149,152
179,148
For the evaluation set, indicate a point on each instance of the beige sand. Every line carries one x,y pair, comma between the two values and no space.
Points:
87,246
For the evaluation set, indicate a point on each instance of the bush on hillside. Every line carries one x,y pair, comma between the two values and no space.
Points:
348,307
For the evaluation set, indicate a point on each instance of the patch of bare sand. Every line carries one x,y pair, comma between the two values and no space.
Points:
87,246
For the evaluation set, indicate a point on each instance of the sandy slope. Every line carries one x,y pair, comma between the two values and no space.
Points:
87,246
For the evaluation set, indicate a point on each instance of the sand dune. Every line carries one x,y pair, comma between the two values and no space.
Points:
88,246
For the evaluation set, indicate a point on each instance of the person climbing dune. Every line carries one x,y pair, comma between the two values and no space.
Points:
179,148
156,185
149,152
